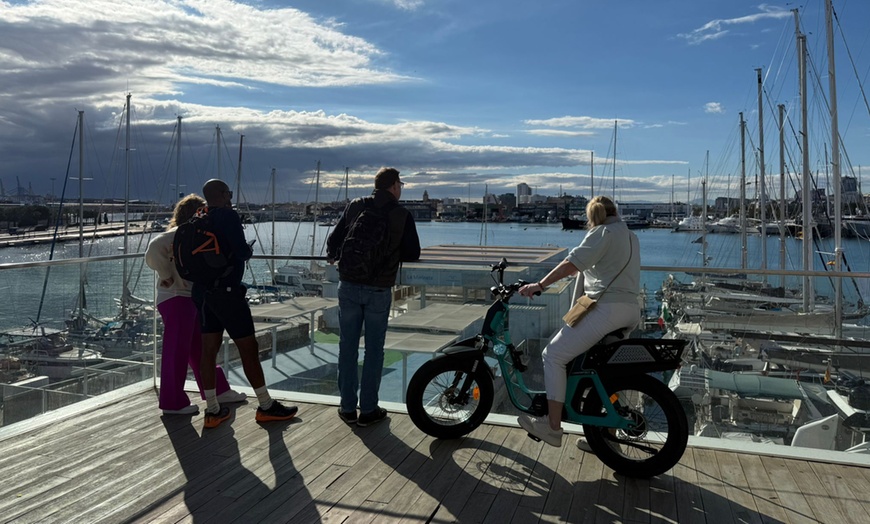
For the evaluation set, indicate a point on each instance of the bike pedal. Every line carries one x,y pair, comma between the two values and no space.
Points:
533,437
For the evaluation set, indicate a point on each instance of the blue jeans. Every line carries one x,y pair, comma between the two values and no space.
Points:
361,305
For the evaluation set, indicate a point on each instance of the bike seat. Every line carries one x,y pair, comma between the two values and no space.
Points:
613,336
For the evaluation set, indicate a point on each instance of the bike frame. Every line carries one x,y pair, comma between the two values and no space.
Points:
516,386
496,330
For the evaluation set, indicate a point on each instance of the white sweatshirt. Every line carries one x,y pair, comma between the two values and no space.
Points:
158,256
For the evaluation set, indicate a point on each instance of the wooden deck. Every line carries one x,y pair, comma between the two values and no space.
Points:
126,463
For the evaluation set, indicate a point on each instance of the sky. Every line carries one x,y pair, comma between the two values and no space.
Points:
462,97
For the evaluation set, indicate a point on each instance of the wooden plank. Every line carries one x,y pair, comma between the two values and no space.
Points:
294,460
743,507
636,505
766,498
436,492
166,469
413,498
713,493
584,498
611,497
102,469
454,506
199,457
392,461
225,456
845,494
793,501
663,499
146,479
547,495
557,497
690,504
816,495
513,466
384,440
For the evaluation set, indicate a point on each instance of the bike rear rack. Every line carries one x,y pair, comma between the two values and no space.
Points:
631,356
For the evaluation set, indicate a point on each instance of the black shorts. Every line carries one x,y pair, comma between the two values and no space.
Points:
226,308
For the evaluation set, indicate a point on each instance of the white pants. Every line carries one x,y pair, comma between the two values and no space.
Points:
570,342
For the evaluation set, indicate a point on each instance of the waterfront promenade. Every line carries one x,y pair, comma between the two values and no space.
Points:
116,459
13,238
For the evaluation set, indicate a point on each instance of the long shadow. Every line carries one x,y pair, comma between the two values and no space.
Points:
462,490
218,488
458,488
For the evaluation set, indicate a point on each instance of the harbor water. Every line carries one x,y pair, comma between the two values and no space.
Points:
56,291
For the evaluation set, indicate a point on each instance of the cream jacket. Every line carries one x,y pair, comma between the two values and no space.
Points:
602,255
158,256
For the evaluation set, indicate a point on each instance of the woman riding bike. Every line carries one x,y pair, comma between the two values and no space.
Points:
609,259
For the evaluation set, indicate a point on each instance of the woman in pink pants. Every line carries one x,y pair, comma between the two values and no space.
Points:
182,344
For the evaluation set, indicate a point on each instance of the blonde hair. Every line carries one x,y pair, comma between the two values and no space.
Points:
598,209
185,209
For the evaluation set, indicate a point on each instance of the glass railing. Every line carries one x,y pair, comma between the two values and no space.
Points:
69,331
758,369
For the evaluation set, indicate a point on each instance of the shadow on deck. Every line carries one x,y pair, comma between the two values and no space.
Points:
124,462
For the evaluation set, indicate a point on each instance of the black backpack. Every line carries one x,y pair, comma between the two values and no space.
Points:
198,254
364,251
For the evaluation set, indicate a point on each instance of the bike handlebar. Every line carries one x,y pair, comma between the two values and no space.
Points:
506,291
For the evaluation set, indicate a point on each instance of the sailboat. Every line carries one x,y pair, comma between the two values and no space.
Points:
295,279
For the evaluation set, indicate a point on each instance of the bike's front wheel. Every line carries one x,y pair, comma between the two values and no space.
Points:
659,434
449,397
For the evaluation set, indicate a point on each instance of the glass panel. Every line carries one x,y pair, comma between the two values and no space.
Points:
68,332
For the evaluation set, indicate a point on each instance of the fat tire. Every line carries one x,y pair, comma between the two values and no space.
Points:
599,438
422,379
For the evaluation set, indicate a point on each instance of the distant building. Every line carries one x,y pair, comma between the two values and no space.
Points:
524,193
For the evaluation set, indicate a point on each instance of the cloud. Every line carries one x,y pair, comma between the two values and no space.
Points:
559,132
714,107
716,29
236,65
407,5
159,45
582,122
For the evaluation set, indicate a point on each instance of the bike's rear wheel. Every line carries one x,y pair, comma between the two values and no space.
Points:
659,436
446,399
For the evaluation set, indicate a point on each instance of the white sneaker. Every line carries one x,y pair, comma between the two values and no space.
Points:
582,445
540,428
229,396
192,409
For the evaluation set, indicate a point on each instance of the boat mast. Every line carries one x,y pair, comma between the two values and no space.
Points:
272,262
316,201
704,211
218,148
124,291
689,193
239,175
762,200
672,199
177,165
592,175
743,249
482,240
81,185
806,198
81,213
835,165
346,183
615,122
782,191
704,226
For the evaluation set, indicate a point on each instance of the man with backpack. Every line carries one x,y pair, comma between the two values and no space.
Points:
222,306
373,237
